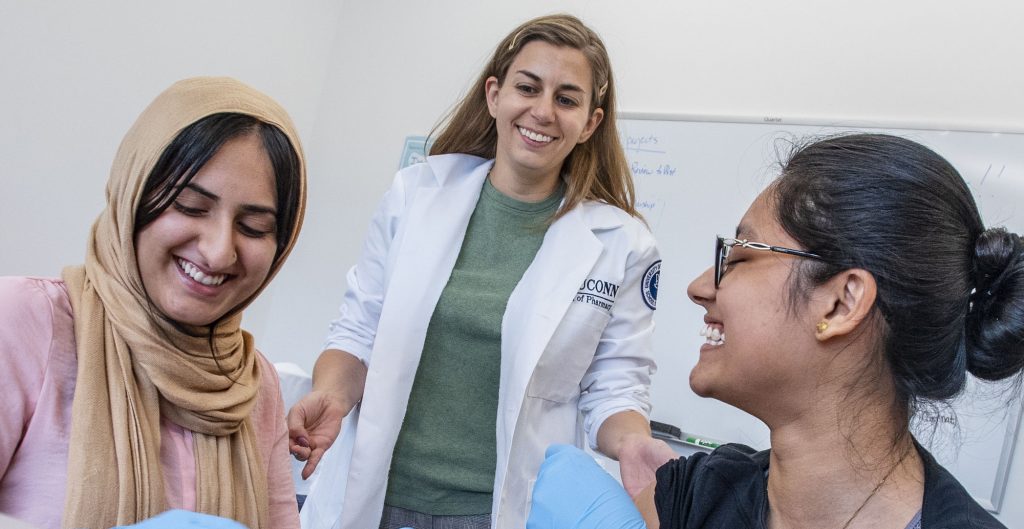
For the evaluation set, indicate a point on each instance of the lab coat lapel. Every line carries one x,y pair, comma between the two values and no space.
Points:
428,251
537,305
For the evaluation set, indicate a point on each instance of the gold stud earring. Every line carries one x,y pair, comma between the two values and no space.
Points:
822,326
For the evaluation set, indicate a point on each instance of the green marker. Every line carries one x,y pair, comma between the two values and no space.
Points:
701,442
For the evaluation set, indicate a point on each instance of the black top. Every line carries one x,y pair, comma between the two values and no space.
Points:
727,489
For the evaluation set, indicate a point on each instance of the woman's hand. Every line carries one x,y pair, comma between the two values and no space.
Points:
313,425
639,458
626,437
315,421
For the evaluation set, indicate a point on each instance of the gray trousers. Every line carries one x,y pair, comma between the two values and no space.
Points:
398,518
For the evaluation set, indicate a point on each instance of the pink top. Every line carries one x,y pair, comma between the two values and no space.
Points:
39,359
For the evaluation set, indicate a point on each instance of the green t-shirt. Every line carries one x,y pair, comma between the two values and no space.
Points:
445,456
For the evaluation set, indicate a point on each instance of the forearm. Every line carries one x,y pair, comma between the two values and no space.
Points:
617,430
340,374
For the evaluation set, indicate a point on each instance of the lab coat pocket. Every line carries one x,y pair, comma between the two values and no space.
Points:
568,354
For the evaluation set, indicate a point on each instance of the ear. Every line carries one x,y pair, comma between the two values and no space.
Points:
491,89
596,117
848,300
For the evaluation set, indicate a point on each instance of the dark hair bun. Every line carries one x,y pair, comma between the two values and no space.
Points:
995,324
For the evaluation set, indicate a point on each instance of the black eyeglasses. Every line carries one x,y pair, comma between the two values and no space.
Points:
724,245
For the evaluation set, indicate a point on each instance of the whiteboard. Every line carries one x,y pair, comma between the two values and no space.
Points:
696,177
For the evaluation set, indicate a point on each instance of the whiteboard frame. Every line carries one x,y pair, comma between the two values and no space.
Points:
859,123
1015,411
1002,478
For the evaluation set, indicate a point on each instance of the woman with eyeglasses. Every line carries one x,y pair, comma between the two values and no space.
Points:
859,287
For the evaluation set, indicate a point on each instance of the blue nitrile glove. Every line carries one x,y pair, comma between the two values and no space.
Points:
574,492
179,519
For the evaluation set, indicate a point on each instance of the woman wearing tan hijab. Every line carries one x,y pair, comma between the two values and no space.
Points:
130,387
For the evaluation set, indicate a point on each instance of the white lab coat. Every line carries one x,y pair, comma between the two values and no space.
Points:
576,337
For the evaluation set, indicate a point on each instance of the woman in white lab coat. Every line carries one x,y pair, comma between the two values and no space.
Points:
503,302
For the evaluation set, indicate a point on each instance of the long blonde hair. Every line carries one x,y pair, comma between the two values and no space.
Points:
594,170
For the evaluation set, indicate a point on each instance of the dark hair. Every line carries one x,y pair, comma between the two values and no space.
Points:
197,143
950,292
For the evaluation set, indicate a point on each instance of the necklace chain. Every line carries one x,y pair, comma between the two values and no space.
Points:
873,491
876,489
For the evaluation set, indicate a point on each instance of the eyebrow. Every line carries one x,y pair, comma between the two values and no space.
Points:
564,86
248,208
199,189
743,228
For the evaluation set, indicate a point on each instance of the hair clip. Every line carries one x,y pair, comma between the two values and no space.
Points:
602,90
512,45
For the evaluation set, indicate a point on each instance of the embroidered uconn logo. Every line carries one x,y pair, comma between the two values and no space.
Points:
649,285
598,293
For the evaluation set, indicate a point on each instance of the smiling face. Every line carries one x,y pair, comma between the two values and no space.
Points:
541,111
214,246
766,354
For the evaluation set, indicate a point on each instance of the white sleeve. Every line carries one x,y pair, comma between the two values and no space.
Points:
355,328
619,377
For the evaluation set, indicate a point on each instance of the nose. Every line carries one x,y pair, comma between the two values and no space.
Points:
702,289
217,245
543,109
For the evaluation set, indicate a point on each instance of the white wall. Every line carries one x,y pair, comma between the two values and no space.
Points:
360,76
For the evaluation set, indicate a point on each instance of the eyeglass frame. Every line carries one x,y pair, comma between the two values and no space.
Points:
722,249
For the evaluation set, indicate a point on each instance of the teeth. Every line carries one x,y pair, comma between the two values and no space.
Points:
535,136
712,335
199,276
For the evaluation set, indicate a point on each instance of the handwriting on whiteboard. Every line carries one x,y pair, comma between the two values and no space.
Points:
645,143
641,169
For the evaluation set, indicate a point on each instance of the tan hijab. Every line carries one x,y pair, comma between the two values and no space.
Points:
134,367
